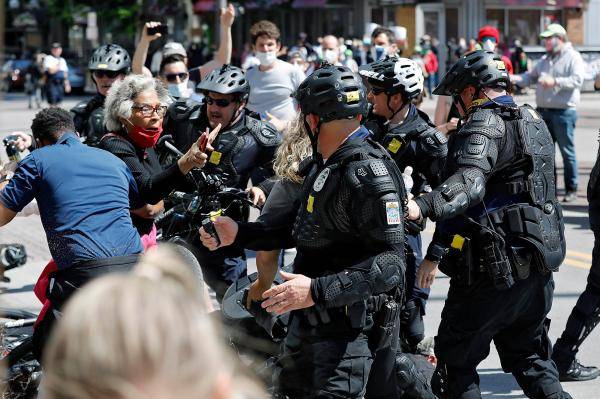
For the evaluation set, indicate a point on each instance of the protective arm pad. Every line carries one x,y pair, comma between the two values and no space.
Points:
459,192
437,247
376,275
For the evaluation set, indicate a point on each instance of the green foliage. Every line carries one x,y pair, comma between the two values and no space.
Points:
113,15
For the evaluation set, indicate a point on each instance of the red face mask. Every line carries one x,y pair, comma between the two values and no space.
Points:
144,138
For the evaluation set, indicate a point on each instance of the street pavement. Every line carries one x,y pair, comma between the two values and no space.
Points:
570,280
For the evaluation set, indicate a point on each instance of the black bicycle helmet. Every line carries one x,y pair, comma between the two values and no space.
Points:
332,92
226,80
110,57
478,69
395,75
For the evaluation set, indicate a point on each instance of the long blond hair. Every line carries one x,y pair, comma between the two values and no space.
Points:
294,148
138,336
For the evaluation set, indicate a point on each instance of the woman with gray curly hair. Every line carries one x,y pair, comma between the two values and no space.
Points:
133,114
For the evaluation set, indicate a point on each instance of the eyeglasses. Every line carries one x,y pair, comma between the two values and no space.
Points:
220,102
172,77
148,110
108,74
377,90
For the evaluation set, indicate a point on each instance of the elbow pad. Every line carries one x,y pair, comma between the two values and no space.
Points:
374,276
458,193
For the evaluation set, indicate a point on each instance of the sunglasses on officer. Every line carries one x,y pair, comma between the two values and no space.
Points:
377,90
219,102
172,77
108,74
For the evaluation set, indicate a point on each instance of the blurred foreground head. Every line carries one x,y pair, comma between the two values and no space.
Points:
143,335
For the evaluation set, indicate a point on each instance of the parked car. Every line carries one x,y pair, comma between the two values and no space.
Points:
13,74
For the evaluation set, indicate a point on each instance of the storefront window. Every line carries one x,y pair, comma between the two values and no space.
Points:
524,25
452,24
495,17
552,17
431,23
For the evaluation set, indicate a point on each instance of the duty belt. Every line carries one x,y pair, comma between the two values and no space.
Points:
355,313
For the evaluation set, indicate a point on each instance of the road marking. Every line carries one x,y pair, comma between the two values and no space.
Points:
580,255
577,263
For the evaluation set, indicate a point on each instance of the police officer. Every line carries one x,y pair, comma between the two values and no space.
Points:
412,140
243,145
586,314
108,63
500,235
349,269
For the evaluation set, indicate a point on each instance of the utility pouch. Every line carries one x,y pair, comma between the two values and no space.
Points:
458,262
497,263
522,260
317,315
357,314
386,320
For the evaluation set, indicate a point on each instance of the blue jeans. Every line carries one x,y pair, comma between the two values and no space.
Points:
561,123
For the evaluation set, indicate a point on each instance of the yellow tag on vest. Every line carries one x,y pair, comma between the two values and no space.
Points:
394,145
309,204
457,242
215,157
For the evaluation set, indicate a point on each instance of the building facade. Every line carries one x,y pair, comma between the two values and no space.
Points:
515,19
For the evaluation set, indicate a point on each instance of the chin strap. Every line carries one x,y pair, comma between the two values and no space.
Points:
394,113
314,139
233,118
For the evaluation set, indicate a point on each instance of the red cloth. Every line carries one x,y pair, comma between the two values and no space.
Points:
489,31
509,65
41,286
431,62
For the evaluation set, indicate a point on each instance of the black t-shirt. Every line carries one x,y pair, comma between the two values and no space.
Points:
154,183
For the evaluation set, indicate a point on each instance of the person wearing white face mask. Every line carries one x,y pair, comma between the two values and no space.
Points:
488,39
175,75
383,42
274,80
559,76
333,55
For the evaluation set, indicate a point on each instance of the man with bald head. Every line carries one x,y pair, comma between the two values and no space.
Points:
333,54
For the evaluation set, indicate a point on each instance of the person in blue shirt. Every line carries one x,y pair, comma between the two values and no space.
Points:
84,196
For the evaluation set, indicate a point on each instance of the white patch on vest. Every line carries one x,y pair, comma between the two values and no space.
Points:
392,212
321,179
